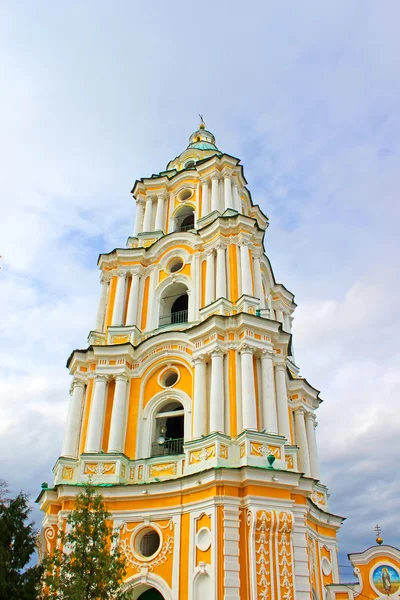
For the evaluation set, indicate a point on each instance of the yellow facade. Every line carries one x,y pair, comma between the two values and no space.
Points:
188,403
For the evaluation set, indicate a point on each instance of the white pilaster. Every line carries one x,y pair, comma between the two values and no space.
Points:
279,315
151,313
217,398
116,442
311,424
214,193
160,213
210,277
148,214
119,300
228,200
200,404
270,423
221,273
249,414
96,417
139,217
236,199
281,401
205,202
131,315
286,322
247,284
271,308
301,558
231,553
258,287
99,326
196,287
303,457
71,439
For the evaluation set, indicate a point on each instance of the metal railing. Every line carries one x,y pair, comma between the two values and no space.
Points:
186,227
181,316
169,448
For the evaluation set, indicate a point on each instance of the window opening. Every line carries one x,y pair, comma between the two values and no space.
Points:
169,430
147,542
174,307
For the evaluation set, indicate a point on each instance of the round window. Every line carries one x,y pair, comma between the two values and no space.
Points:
147,542
175,265
185,195
169,378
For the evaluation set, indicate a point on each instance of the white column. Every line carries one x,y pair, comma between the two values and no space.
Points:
249,409
131,315
116,442
303,457
119,300
217,400
148,215
281,401
247,284
139,217
210,278
236,199
311,424
214,193
71,439
221,273
200,403
268,392
228,200
258,291
99,326
205,201
96,417
160,213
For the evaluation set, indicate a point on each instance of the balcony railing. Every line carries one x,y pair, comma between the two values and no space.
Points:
177,317
186,227
169,448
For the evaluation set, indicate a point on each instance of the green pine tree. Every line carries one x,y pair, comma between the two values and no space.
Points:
87,564
17,544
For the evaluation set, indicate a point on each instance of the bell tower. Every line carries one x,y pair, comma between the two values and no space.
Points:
187,407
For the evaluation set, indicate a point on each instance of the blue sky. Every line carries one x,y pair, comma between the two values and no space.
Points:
96,95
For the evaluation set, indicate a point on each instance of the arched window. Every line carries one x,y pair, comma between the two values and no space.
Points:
168,430
184,219
174,304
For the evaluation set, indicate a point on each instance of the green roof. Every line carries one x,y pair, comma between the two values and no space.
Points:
203,146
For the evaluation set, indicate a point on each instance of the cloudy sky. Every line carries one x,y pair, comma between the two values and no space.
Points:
97,94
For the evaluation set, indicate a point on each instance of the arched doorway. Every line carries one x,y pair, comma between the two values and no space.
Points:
151,594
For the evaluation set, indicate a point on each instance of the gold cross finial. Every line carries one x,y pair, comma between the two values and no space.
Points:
202,124
378,530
